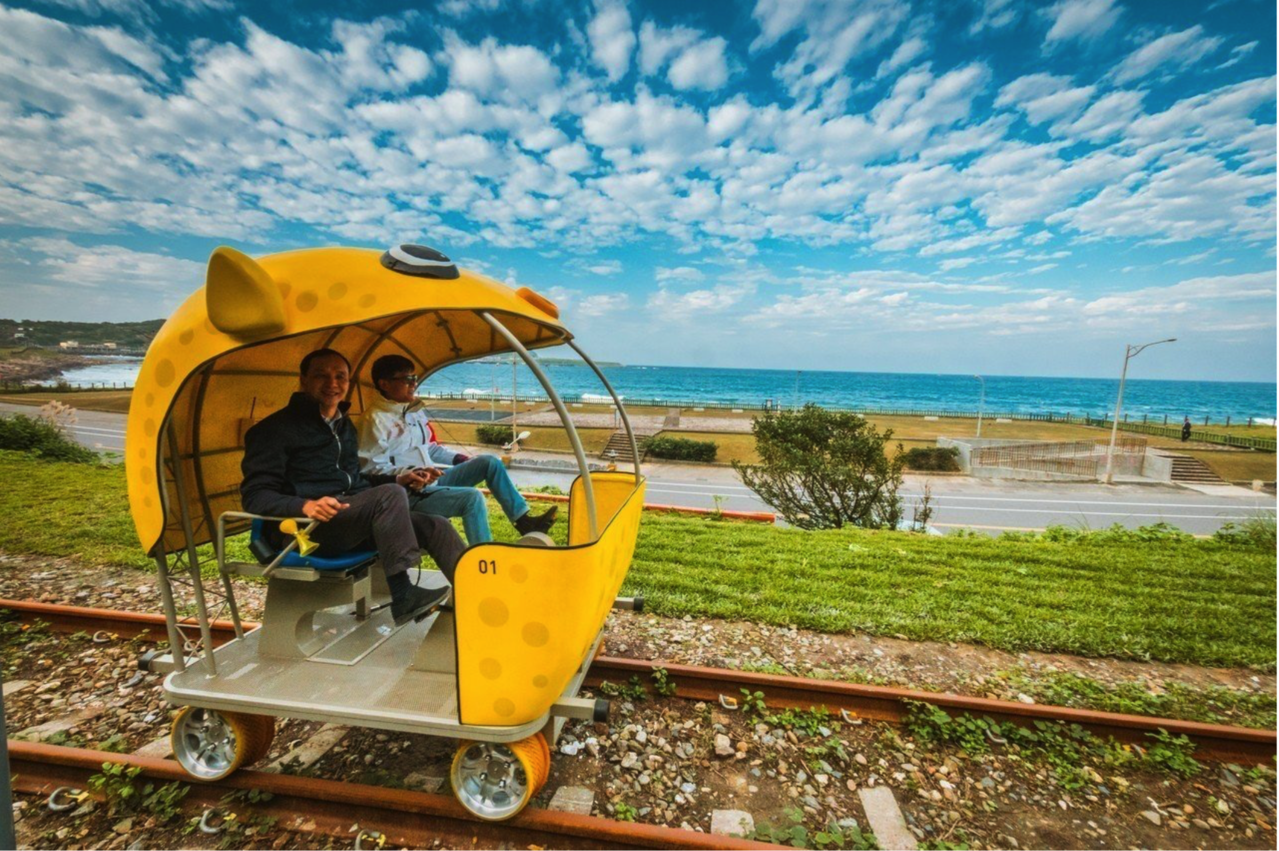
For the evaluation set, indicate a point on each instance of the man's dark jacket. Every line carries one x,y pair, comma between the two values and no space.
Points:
294,456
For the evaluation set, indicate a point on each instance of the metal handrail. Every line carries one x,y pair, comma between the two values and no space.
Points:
529,361
626,420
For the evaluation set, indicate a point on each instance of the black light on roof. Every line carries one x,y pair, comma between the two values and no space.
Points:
419,261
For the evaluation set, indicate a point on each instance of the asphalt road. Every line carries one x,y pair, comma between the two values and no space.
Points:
957,500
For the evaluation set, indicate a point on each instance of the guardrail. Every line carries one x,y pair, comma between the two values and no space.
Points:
16,388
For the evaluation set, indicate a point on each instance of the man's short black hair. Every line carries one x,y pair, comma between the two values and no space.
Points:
386,366
322,353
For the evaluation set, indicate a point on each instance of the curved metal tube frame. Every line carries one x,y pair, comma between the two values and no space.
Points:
626,421
587,487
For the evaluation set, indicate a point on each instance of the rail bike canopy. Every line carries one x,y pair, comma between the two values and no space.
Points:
229,357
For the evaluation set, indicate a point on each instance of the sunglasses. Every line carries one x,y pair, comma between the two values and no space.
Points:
408,379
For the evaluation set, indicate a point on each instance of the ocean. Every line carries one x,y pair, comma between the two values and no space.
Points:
1013,394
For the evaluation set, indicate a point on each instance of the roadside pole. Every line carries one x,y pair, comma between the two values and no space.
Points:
981,402
1130,352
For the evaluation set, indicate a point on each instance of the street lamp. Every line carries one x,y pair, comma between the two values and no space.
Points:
981,404
1130,352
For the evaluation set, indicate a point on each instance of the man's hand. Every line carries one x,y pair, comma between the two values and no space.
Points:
323,509
418,478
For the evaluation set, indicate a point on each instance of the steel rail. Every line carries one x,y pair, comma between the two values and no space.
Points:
405,818
1220,742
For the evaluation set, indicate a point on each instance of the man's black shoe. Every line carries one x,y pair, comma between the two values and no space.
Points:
417,603
542,523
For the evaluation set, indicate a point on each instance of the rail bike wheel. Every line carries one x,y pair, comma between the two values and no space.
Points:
494,781
262,734
210,744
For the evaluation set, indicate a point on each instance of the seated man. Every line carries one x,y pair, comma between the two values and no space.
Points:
303,460
396,437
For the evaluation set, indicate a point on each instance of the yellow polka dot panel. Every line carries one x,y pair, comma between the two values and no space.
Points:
527,617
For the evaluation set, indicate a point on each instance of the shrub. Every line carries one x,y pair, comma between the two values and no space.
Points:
43,438
493,434
939,459
824,469
1256,532
682,449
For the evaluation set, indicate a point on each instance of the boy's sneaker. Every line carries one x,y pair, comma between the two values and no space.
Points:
417,603
541,523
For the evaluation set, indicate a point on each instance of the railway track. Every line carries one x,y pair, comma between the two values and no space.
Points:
1218,742
416,819
402,818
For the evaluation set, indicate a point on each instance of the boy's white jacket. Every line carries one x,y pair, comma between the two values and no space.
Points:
395,437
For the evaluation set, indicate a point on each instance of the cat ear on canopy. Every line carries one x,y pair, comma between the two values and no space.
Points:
241,298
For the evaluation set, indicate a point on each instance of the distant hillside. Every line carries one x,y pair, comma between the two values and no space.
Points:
25,332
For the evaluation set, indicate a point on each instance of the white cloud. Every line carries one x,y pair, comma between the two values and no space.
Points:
907,52
1081,20
1178,50
835,33
702,66
1188,296
612,38
679,273
687,305
113,266
692,60
1045,97
600,304
493,70
604,267
995,15
1238,54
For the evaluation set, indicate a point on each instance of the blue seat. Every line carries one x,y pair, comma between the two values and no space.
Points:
346,561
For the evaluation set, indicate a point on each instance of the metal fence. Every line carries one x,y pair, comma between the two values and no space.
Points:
1265,444
1077,458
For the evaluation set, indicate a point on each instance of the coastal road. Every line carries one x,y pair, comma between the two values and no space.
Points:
958,501
981,504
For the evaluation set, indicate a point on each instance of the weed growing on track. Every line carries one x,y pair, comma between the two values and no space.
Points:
1211,704
1073,753
1143,594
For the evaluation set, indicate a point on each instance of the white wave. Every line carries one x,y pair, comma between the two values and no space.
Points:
597,399
471,391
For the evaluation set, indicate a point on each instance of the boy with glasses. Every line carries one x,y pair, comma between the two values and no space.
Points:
396,437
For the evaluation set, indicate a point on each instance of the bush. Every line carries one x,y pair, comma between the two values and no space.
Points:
933,459
824,469
1256,532
42,438
493,434
682,449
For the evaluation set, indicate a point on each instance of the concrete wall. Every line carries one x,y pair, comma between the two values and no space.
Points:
1157,467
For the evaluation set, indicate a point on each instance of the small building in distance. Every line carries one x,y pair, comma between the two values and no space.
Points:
69,344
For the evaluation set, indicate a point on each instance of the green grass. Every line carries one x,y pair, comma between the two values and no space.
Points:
1137,597
1188,601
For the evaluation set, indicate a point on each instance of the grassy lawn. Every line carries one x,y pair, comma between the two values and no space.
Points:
1201,602
116,401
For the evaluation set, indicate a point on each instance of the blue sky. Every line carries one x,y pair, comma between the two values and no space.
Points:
985,186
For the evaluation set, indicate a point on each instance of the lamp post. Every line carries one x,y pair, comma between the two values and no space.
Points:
1130,352
981,403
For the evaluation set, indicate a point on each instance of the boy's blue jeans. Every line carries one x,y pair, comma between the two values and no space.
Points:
454,494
